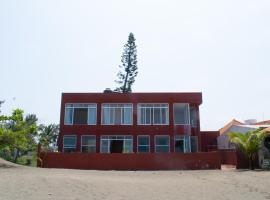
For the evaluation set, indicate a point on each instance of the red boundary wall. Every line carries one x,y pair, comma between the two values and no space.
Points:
209,140
233,157
151,161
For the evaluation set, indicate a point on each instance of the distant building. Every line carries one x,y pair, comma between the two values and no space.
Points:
237,126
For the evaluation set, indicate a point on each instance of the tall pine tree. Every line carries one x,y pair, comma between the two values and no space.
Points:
128,69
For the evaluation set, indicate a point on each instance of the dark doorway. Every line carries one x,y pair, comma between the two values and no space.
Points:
179,146
267,143
117,146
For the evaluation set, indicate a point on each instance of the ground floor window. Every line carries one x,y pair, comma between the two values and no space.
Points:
116,144
179,143
162,144
69,143
88,143
143,144
194,143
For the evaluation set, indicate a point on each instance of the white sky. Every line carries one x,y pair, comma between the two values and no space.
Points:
221,48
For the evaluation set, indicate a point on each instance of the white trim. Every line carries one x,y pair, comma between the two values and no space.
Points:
63,146
188,114
89,145
122,108
149,144
152,114
162,145
183,137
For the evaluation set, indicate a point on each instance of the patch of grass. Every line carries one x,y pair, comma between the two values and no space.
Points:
29,160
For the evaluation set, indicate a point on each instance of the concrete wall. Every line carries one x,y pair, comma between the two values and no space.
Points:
209,140
162,161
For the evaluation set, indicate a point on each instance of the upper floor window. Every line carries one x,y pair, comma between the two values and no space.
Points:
181,113
156,114
79,114
117,114
193,116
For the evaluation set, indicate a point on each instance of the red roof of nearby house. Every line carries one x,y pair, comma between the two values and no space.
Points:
229,125
267,129
266,122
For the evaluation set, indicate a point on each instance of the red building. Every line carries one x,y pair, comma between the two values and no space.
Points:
139,123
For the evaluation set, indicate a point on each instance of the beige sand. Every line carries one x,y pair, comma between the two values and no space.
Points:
17,182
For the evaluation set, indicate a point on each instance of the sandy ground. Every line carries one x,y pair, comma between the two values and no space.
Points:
27,183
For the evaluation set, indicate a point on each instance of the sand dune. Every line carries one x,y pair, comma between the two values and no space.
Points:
27,183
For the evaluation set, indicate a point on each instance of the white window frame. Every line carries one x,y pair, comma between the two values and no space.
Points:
122,111
89,105
187,117
109,143
89,145
143,145
163,145
152,114
75,146
184,142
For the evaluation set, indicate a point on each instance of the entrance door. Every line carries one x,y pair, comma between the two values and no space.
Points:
117,146
179,146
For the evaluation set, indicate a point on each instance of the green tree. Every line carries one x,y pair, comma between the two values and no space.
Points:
17,134
249,143
1,102
47,135
128,69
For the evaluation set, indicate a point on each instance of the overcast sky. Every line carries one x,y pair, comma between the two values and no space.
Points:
219,48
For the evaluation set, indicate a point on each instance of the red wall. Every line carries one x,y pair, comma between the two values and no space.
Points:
194,99
228,157
209,140
163,161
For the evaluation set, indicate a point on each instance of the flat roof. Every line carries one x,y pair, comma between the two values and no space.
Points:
141,97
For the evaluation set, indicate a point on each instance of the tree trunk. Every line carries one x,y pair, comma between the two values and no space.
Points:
125,83
251,164
16,155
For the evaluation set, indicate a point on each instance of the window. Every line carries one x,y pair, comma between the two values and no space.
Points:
162,144
194,143
116,144
193,116
69,143
143,144
117,114
179,144
79,114
156,114
88,143
181,113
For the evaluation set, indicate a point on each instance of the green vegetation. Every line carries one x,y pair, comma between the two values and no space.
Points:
19,136
249,143
128,69
47,136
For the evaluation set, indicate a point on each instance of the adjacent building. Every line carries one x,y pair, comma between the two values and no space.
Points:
223,141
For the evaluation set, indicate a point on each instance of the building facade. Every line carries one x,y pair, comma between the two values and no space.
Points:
130,123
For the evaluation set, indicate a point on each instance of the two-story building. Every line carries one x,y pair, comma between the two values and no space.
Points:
112,122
